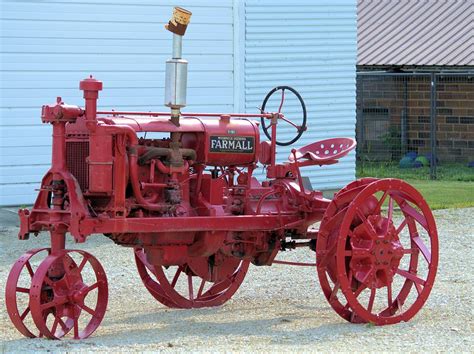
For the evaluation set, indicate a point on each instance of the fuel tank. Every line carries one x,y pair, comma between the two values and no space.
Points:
225,141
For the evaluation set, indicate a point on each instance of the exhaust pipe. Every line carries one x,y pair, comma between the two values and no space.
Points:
177,68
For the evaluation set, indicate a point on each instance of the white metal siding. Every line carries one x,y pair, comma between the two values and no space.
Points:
311,46
47,47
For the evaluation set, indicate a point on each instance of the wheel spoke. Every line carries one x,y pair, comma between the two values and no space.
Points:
88,309
29,268
407,209
421,245
411,276
22,290
333,295
142,257
410,250
55,326
368,226
418,288
76,328
218,287
381,201
371,299
402,226
25,313
389,294
62,324
176,276
92,287
48,305
390,210
358,253
201,288
190,287
359,290
83,263
221,286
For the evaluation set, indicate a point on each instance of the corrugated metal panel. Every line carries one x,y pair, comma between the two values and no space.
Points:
311,46
47,47
415,32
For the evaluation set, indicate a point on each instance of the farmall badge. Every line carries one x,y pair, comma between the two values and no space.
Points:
233,144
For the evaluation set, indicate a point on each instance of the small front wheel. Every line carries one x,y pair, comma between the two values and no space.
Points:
69,292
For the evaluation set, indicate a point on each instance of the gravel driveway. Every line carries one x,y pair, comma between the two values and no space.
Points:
277,308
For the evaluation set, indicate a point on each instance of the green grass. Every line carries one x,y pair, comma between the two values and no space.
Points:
446,194
445,172
454,187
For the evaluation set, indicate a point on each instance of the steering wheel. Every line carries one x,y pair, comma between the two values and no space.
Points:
299,128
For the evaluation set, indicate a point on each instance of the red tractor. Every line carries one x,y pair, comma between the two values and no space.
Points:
189,205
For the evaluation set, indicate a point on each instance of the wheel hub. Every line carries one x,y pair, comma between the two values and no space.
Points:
376,253
77,296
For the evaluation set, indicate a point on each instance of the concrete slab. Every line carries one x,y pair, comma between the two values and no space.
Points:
9,217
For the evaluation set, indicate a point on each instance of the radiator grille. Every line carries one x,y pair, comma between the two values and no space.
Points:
76,155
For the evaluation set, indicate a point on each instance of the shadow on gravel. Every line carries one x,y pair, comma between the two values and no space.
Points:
174,328
274,329
177,326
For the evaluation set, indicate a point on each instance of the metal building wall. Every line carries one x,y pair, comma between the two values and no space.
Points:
48,46
311,46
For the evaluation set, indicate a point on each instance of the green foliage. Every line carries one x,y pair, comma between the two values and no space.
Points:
392,140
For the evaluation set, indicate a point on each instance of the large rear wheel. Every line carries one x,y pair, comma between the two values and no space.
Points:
377,252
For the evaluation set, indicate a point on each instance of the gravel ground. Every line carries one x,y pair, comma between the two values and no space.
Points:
276,309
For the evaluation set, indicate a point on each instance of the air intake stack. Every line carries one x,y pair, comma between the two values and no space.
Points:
177,67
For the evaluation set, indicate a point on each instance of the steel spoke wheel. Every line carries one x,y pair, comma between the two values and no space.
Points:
295,108
378,253
17,291
148,277
69,293
201,282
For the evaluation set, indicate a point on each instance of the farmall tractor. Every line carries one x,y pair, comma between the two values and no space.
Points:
190,208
